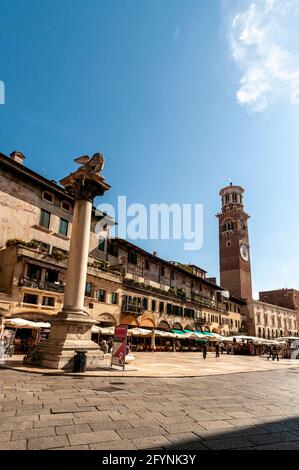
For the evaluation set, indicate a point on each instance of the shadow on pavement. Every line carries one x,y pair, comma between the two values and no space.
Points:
276,435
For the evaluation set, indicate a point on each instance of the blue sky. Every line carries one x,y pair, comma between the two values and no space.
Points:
180,96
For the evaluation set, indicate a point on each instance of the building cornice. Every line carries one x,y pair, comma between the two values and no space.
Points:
261,304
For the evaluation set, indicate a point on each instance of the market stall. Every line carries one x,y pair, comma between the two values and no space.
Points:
289,347
248,345
143,339
22,334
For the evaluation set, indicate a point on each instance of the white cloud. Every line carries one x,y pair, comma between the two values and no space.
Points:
264,40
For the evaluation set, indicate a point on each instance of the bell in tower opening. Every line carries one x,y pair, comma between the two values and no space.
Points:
235,270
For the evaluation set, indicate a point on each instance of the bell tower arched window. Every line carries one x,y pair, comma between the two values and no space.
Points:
228,226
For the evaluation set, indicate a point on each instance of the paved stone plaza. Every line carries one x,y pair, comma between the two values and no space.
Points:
187,364
252,410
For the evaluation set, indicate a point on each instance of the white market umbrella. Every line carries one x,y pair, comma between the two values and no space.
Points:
164,334
41,324
139,332
103,330
21,323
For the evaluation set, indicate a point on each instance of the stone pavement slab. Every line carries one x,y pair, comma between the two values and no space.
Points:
229,443
32,433
14,445
47,442
114,445
91,437
72,429
141,432
107,425
5,436
151,442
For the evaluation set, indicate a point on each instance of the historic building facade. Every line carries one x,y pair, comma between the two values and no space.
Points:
271,321
125,284
169,295
288,298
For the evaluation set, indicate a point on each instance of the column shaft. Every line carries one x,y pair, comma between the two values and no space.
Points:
78,256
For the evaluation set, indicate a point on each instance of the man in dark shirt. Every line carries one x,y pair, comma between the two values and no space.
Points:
204,350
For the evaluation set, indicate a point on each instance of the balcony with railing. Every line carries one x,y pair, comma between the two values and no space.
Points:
131,308
41,285
138,272
201,299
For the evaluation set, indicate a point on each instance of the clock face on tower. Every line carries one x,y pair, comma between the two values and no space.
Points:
244,252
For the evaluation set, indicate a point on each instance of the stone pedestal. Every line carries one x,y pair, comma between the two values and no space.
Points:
70,332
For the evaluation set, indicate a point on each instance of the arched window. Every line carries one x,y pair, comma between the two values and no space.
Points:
229,225
163,325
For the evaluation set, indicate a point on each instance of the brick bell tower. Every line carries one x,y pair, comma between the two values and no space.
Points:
235,270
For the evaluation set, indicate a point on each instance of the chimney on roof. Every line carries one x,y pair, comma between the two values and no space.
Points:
17,157
155,253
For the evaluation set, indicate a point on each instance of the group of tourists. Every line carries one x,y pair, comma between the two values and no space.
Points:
271,351
205,350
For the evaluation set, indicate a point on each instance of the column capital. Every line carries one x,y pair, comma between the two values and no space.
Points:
85,185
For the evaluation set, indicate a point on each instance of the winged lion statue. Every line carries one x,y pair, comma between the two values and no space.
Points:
95,164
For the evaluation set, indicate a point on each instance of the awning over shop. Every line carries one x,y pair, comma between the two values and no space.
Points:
108,330
139,332
21,323
285,338
254,339
164,334
199,335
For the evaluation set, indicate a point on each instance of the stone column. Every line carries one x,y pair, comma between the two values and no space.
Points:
78,257
71,328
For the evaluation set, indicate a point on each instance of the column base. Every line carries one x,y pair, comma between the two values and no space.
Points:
70,332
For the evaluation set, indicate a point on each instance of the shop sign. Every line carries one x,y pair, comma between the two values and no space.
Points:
119,346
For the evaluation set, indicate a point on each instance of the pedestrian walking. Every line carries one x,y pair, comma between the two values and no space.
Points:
204,350
217,349
270,351
275,353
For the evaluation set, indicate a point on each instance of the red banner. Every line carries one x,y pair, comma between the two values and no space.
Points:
119,346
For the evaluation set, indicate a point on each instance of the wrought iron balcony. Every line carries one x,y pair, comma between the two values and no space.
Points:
132,308
45,285
201,299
